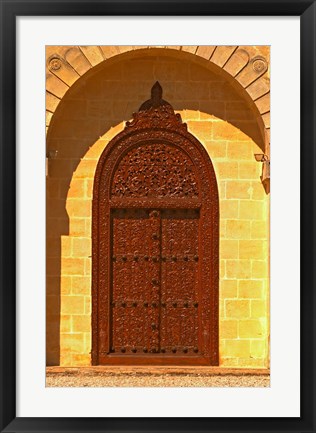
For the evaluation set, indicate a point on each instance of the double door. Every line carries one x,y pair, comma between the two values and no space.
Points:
155,286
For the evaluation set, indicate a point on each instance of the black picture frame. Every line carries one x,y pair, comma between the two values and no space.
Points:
306,10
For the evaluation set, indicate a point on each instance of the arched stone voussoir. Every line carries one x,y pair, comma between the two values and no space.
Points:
247,67
58,65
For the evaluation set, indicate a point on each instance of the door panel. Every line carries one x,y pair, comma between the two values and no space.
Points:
180,281
134,294
155,285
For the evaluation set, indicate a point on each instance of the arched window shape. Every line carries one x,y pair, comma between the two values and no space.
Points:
155,236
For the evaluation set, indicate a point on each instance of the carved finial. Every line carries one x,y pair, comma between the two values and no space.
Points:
156,92
156,98
156,112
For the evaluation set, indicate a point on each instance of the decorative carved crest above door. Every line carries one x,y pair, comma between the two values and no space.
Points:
155,245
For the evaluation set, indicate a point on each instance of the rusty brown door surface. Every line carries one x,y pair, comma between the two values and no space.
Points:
155,283
155,231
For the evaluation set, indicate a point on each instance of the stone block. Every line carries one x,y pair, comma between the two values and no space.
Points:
222,269
109,51
65,72
237,309
66,247
81,285
249,170
259,230
251,362
228,249
49,116
248,75
170,71
65,323
258,309
238,189
205,51
189,48
222,54
228,289
266,119
81,323
260,268
78,208
57,225
77,60
52,266
237,62
93,54
263,103
238,269
55,86
216,149
240,150
251,249
52,305
86,169
87,342
77,227
72,266
238,229
250,289
201,129
81,247
250,329
252,209
52,188
238,110
258,191
226,131
258,349
229,209
72,304
60,168
228,362
71,343
87,266
87,304
259,88
228,329
81,360
65,359
237,348
53,285
225,170
52,102
76,189
65,285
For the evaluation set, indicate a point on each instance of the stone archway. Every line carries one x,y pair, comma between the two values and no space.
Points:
88,117
246,65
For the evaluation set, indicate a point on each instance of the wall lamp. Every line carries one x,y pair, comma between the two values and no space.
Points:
265,177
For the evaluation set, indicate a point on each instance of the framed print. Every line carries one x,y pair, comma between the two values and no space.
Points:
153,277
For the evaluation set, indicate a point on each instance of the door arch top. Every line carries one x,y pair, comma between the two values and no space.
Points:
155,132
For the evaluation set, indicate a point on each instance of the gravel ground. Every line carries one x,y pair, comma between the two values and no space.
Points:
156,380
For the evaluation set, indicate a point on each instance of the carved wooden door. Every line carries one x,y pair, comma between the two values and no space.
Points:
155,284
155,245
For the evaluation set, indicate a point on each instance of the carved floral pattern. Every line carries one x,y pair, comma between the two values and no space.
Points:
155,170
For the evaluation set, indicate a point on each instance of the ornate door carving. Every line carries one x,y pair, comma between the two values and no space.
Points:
155,245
